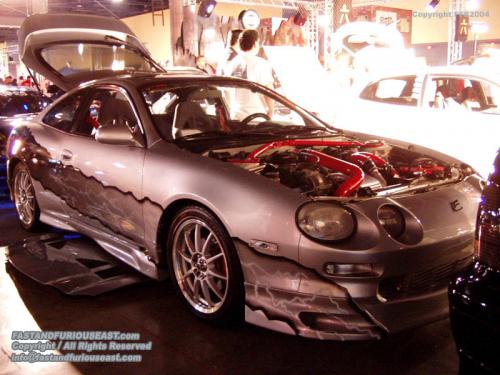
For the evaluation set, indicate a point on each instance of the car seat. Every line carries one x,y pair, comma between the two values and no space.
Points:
189,118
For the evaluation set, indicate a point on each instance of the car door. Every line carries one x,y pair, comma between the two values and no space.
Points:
467,131
388,107
49,139
105,179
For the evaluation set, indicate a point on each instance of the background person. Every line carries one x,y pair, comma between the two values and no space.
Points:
231,53
248,65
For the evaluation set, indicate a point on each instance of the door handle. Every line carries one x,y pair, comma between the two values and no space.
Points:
66,155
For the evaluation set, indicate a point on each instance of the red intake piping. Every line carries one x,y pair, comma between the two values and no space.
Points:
254,155
356,175
370,163
379,162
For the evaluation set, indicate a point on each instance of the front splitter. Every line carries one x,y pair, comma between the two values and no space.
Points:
71,263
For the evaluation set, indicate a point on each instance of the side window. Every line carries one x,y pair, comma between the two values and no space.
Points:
463,94
491,94
63,114
399,90
107,107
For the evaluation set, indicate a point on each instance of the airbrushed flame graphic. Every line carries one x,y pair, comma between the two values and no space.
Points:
79,192
280,305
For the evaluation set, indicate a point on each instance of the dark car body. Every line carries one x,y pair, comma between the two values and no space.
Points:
474,295
15,104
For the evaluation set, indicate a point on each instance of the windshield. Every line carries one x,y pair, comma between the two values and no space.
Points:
19,102
73,58
205,110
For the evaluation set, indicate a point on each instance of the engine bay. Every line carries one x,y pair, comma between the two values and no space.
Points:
342,168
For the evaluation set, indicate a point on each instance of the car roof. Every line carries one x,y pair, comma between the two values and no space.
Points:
174,75
459,70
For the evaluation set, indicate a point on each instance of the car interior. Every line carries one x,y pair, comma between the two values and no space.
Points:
107,108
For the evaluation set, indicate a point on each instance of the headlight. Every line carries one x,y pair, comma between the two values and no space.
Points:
392,220
326,222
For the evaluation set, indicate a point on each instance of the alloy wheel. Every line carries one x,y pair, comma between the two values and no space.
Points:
24,197
200,265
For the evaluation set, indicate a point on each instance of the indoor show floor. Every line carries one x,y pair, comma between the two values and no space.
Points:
184,345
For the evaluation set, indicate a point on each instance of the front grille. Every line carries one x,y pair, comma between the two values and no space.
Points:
489,226
416,283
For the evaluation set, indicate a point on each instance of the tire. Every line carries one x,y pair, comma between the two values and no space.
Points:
25,201
207,277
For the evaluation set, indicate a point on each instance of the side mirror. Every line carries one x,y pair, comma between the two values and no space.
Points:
116,135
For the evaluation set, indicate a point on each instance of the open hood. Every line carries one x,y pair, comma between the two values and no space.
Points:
69,49
354,36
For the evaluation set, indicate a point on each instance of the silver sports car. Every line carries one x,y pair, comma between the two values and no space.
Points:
250,204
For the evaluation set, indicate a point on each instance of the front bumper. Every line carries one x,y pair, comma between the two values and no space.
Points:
474,316
287,297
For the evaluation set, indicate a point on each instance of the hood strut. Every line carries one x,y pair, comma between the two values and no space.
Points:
33,77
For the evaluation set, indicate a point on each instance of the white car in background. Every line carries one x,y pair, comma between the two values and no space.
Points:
451,109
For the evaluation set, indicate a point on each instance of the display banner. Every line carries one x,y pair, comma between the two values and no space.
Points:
341,12
462,25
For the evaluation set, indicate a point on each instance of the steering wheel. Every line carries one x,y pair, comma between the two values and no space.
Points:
253,116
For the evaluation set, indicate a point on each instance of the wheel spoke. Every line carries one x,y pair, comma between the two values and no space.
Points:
197,238
214,289
215,257
216,275
25,181
188,273
22,181
188,242
196,289
24,212
207,243
206,293
20,210
30,206
184,257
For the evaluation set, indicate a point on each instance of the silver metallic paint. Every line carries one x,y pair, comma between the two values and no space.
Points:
251,208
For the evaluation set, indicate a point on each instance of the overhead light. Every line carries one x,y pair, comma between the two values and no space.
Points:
206,8
431,7
249,19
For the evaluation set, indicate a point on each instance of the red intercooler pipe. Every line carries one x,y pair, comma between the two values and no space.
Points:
361,157
254,155
355,173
